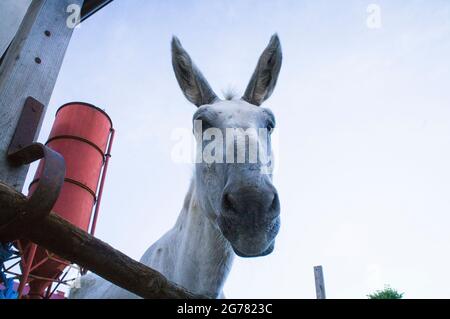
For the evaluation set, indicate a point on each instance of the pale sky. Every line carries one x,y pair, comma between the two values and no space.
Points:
363,118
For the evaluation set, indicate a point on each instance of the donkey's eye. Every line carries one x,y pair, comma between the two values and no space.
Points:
201,122
204,117
270,119
270,126
206,124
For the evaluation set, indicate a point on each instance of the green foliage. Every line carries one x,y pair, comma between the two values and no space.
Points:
386,293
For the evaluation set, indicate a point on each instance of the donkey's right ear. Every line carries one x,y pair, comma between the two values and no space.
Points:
191,80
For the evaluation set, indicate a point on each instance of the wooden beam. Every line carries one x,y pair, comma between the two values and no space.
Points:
73,244
320,282
11,16
30,68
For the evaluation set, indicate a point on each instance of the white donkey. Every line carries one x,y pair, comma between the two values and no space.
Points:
231,208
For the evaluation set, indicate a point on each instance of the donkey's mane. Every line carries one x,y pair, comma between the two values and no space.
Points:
230,94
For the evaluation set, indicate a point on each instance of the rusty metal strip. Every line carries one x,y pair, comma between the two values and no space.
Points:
70,181
40,204
77,138
23,151
28,125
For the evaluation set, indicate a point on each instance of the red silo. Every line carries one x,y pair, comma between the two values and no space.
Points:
82,134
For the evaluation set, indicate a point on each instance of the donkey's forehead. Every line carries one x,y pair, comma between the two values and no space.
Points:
235,108
234,113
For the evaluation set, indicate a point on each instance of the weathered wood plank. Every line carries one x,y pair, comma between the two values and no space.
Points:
11,203
77,246
30,68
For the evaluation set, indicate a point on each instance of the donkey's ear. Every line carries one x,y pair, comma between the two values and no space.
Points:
191,80
266,74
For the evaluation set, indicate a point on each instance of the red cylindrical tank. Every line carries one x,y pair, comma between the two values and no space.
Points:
81,133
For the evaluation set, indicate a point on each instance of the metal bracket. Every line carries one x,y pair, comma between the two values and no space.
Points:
26,128
22,151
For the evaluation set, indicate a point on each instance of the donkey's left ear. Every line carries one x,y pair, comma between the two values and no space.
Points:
266,74
192,82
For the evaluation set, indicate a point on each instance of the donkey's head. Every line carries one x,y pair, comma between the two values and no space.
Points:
234,156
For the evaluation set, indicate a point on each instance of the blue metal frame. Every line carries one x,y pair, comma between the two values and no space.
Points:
7,253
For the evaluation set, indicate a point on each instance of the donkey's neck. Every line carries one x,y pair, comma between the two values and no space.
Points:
204,256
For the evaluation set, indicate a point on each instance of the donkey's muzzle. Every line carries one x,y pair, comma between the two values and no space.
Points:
250,219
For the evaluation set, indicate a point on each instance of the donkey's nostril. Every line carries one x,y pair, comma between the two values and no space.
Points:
256,202
229,202
275,203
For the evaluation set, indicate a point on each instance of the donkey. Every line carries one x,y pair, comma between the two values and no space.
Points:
230,208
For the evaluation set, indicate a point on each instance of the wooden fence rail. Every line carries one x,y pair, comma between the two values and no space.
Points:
77,246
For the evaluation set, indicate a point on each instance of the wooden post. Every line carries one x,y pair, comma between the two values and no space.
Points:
11,16
30,68
320,283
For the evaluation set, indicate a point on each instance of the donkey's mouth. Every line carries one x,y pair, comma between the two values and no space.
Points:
266,252
250,244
